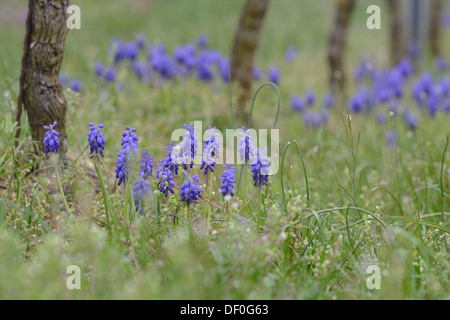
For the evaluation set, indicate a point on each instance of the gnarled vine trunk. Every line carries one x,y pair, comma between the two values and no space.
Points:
337,43
435,27
244,48
40,90
397,32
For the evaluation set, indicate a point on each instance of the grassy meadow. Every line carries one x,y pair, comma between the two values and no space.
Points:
344,198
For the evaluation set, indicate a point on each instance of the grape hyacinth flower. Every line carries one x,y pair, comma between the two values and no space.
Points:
224,70
142,70
96,139
110,75
146,169
51,139
190,190
297,103
310,98
141,41
63,79
203,41
166,182
328,101
76,85
365,70
99,69
130,140
245,145
381,118
141,192
260,168
410,119
208,161
228,177
189,145
129,149
257,73
204,68
274,75
211,150
391,136
290,54
128,50
171,161
164,65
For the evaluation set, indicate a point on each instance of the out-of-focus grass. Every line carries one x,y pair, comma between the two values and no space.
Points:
299,256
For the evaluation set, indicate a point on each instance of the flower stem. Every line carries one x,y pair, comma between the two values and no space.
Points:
108,209
61,188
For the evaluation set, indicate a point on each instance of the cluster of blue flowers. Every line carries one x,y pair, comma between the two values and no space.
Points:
190,190
383,92
51,139
312,118
228,180
74,84
153,63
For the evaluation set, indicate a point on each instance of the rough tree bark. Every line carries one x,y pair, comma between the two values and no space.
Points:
40,90
245,44
337,43
397,32
435,27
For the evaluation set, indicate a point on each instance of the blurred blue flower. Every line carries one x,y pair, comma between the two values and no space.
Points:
328,101
257,73
110,75
392,137
166,182
290,54
274,74
141,193
146,168
410,119
99,69
76,85
63,79
297,103
310,98
129,151
171,160
203,41
381,118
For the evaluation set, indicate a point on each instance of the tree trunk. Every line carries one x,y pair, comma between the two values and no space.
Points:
397,32
40,90
337,43
245,45
435,27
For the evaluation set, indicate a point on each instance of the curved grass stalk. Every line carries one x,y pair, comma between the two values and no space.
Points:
441,179
282,175
392,196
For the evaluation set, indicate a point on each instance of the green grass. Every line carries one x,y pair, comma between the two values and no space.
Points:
341,200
